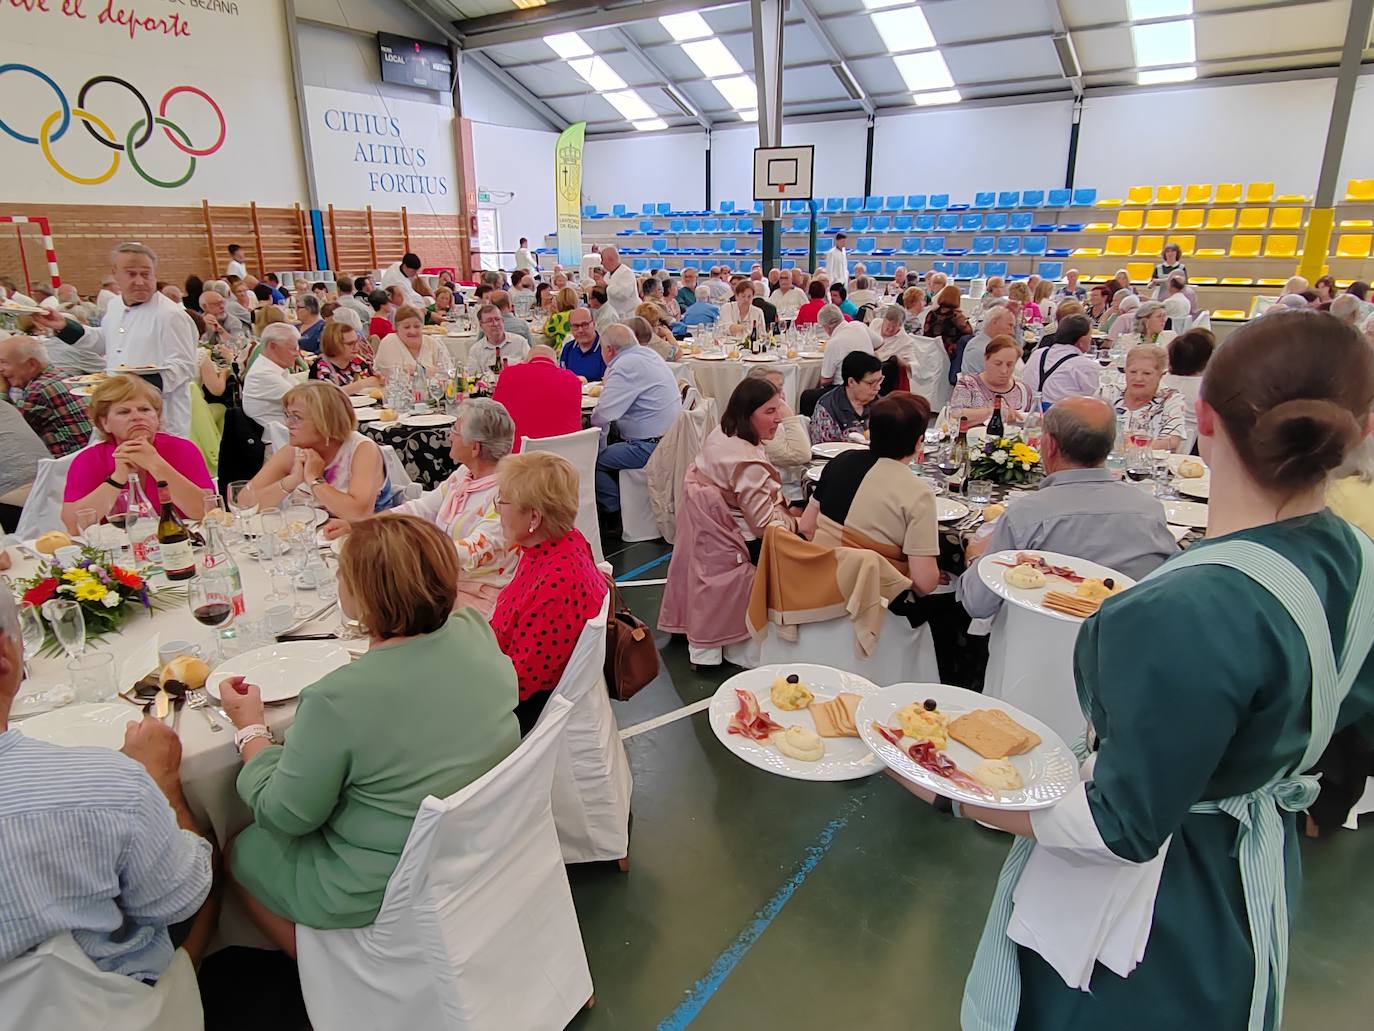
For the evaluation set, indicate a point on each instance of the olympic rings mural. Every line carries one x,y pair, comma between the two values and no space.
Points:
55,126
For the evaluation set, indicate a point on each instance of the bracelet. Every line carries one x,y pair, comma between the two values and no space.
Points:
250,733
115,483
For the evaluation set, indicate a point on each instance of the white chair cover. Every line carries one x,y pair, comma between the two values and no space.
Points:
276,435
580,449
636,510
43,508
592,782
399,476
1202,320
1030,665
901,654
477,930
55,985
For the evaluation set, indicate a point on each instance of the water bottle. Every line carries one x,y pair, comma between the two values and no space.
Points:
216,555
142,523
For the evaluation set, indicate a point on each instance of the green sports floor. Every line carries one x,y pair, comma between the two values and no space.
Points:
753,901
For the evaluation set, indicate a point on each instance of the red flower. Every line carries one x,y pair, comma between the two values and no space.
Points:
41,591
126,579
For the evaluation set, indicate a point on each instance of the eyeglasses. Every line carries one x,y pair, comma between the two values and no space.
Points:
294,418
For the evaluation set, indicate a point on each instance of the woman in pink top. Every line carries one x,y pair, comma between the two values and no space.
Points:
125,412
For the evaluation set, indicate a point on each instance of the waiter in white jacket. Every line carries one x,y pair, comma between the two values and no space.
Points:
837,261
141,327
622,289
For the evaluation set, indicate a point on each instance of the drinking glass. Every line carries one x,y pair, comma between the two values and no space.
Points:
92,677
1139,464
35,700
68,624
980,492
244,506
211,599
1164,481
85,519
272,523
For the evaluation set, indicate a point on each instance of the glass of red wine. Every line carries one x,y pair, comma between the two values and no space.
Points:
211,598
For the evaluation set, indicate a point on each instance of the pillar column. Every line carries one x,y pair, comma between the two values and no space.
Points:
768,33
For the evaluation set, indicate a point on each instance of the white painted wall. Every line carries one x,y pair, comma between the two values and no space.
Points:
517,161
1358,160
652,166
486,100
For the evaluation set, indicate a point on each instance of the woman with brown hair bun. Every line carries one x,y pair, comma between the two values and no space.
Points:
1212,688
946,321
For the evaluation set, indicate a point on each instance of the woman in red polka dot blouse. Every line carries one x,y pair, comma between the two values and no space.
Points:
540,614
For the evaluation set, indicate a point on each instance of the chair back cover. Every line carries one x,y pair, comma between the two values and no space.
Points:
43,508
580,449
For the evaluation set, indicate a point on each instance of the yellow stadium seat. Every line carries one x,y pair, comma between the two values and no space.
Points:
1098,227
1245,246
1117,246
1190,218
1259,193
1253,218
1357,223
1087,252
1228,315
1236,281
1108,202
1287,218
1221,218
1202,280
1140,194
1198,193
1148,245
1210,252
1343,284
1129,220
1168,194
1185,242
1359,190
1270,282
1281,245
1140,271
1353,245
1228,193
1292,198
1159,219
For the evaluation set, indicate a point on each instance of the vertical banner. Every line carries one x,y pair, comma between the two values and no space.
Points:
567,170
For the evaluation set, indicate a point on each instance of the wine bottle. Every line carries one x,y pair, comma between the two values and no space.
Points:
174,540
217,556
958,455
995,421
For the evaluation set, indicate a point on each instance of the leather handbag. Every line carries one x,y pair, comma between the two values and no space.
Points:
631,655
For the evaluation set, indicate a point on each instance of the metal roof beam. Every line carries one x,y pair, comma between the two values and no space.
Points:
664,83
840,64
568,16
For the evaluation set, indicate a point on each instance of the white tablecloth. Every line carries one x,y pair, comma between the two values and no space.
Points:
458,345
718,379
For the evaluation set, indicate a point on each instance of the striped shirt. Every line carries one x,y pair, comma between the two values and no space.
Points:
90,845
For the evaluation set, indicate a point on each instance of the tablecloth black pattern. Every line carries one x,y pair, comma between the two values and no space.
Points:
423,450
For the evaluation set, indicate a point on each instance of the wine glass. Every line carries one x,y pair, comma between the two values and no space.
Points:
33,634
85,519
68,624
244,504
211,599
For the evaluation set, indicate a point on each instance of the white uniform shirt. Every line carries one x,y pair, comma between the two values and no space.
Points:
849,336
621,289
235,268
837,265
393,276
523,259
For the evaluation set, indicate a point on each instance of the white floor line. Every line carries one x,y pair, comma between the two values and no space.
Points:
642,583
665,719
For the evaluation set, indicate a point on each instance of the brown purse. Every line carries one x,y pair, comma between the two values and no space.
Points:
631,655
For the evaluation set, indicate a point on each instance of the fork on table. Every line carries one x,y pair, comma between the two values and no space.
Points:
196,699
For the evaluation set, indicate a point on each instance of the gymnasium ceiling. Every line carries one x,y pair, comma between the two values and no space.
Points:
648,65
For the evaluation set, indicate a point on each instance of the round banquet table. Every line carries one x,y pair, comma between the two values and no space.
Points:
209,763
423,450
718,379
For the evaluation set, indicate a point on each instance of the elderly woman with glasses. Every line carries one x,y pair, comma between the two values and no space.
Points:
340,362
464,505
1144,401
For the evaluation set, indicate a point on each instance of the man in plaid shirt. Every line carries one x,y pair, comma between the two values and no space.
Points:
37,390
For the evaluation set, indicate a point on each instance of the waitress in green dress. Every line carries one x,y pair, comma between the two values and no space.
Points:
427,710
1207,755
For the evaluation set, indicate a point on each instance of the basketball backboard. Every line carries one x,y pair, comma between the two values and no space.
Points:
783,173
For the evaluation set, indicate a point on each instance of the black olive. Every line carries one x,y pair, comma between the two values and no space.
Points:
929,704
1109,583
792,678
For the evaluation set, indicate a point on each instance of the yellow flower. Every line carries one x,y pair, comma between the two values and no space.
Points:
91,590
76,575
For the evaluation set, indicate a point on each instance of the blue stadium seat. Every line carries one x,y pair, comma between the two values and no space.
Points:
646,225
938,201
894,203
966,270
1051,270
1009,245
727,205
853,204
822,223
663,208
677,225
948,223
727,225
824,244
588,210
641,264
618,232
881,223
985,199
1021,221
710,225
915,201
746,225
659,245
983,245
758,207
1084,198
873,204
970,223
902,223
994,268
933,245
801,225
1035,246
866,245
793,206
647,209
694,225
1060,198
1044,227
727,245
957,207
834,204
619,211
925,223
947,267
910,245
1008,199
859,223
789,262
998,220
1058,252
1032,198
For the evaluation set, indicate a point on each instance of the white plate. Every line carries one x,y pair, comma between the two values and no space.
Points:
811,355
832,448
760,357
139,370
436,419
1033,598
79,391
1186,513
361,400
708,357
846,758
22,309
100,724
280,670
1049,770
1194,488
367,414
1176,460
949,510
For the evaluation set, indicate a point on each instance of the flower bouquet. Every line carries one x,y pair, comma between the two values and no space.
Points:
107,593
1005,460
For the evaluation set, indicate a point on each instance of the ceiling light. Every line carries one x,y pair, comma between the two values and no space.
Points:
847,81
597,73
1143,10
650,124
749,116
1166,42
1067,54
529,3
631,105
739,92
687,26
924,72
568,44
947,96
1156,76
712,57
903,28
874,5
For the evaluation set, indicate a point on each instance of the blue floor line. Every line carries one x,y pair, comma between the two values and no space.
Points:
644,568
706,987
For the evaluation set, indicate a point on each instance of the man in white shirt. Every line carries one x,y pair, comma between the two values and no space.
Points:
895,288
863,292
142,327
719,285
1061,367
843,338
495,349
271,377
787,298
236,267
106,295
601,308
16,295
621,288
837,261
405,274
523,259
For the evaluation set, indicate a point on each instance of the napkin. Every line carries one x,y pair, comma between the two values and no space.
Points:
141,662
1179,532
